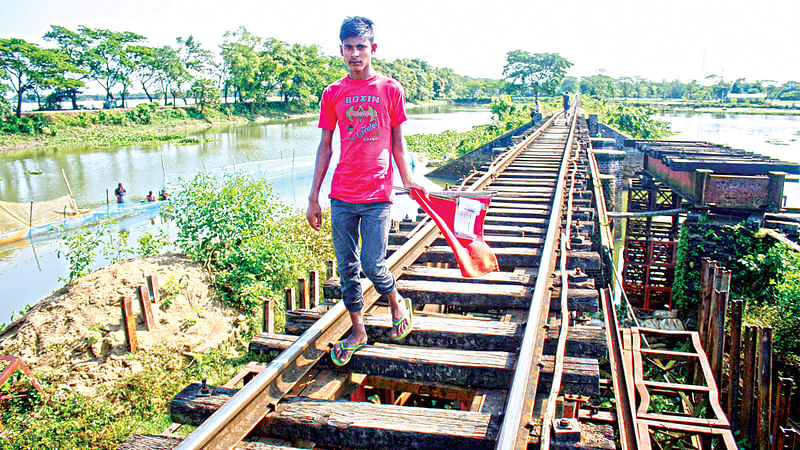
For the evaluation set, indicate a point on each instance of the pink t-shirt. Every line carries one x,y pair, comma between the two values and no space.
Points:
365,111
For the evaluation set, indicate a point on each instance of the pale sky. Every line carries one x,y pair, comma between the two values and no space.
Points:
676,39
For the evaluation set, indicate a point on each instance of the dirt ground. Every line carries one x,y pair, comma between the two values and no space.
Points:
76,334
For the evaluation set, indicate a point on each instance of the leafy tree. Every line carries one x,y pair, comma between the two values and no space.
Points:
168,67
569,84
196,62
205,93
74,46
241,56
110,58
598,86
26,67
146,68
790,91
540,73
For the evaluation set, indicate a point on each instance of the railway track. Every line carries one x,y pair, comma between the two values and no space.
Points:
488,360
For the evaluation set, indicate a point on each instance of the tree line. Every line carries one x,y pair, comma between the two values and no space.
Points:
249,69
714,87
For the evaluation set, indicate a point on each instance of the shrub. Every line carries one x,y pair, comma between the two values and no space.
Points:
33,124
142,114
248,239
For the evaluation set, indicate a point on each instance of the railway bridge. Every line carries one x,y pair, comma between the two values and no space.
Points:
532,355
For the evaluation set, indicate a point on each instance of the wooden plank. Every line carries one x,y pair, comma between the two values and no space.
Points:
326,385
579,300
467,294
425,273
764,400
748,382
582,341
268,316
313,288
580,375
734,358
288,295
782,405
514,230
506,256
156,442
147,309
430,389
152,286
313,420
302,293
489,369
444,332
332,287
366,425
189,408
493,240
129,323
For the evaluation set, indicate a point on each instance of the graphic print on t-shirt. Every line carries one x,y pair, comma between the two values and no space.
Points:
362,119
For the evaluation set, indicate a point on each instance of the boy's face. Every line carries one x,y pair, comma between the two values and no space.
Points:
357,53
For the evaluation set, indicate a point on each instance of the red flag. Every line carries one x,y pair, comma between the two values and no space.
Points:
460,219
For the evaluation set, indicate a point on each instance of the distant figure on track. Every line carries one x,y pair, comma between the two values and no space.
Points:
120,192
163,195
369,109
565,100
151,197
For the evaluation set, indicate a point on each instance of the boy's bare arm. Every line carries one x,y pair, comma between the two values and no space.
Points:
401,157
324,152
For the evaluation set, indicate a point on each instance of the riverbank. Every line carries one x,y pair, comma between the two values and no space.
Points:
777,107
164,124
125,127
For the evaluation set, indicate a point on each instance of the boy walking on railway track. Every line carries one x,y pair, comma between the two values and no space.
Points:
369,109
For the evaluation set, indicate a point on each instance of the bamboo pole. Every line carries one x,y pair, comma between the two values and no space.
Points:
69,189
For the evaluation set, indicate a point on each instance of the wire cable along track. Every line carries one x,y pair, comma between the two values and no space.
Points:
486,365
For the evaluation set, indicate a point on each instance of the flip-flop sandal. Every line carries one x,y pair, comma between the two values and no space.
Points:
410,317
344,348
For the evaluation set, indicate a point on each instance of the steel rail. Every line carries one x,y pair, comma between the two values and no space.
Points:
558,366
237,417
508,436
628,431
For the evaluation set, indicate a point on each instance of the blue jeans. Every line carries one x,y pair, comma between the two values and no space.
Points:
371,222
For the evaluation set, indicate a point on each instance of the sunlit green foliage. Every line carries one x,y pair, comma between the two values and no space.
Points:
137,403
535,73
764,272
635,121
251,243
449,144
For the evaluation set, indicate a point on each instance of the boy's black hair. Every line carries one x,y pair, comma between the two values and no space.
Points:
357,26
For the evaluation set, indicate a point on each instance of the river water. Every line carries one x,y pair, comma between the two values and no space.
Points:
776,136
282,153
